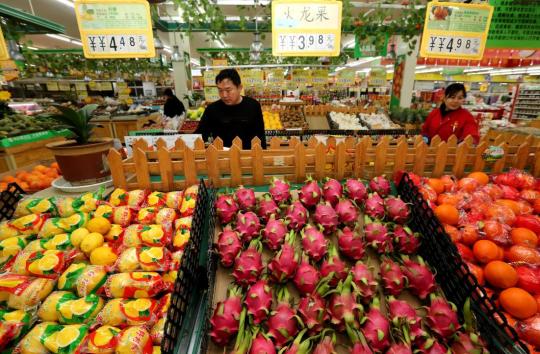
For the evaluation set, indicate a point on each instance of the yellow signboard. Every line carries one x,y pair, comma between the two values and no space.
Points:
253,78
456,31
219,62
52,86
105,86
80,86
301,78
64,86
209,78
346,78
4,53
319,77
211,94
274,77
306,28
115,28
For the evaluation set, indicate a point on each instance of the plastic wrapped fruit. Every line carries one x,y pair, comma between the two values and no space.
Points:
43,264
29,224
104,210
137,197
85,279
58,242
129,312
118,197
63,339
123,215
155,199
56,226
22,292
10,247
134,340
8,231
134,285
173,200
147,216
13,324
32,342
102,340
147,235
144,258
47,310
29,206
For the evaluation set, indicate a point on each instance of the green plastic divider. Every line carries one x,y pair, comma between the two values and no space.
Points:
33,137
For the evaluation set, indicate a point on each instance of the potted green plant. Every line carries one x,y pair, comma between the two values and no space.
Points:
83,159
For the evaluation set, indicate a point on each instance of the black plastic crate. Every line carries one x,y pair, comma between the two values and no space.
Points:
453,275
175,333
9,199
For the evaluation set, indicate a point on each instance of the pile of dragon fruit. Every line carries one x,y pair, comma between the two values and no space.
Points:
305,280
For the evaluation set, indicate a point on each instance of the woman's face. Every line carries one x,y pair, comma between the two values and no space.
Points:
454,101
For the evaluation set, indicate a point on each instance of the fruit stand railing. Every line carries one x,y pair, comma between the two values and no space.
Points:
323,109
172,169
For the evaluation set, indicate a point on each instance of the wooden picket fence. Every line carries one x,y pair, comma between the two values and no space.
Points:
171,169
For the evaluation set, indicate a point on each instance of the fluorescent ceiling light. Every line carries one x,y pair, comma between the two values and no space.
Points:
429,71
242,2
167,49
195,62
196,72
340,68
421,67
361,61
219,43
33,48
64,38
66,2
390,66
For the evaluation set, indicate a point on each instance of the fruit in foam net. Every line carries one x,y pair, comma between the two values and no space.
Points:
91,241
78,235
103,255
99,225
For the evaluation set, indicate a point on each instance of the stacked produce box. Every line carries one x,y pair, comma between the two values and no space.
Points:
330,267
89,275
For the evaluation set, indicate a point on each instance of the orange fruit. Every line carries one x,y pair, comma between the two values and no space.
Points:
447,213
518,303
523,236
468,184
510,204
437,185
446,198
3,186
519,253
453,232
8,179
536,206
40,168
24,185
480,177
449,183
469,234
477,271
486,251
500,274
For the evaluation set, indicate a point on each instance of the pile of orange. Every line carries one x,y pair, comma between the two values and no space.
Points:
40,177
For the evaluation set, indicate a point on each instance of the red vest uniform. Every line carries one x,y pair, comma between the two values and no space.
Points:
460,123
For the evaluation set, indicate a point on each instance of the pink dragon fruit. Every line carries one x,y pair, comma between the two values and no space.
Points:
267,208
297,216
356,191
393,279
326,216
283,322
314,243
307,277
399,349
274,233
365,282
467,343
374,206
261,344
285,263
431,346
332,191
403,315
377,236
420,279
333,266
228,245
380,185
245,197
244,337
346,212
280,191
226,208
407,241
343,307
248,265
247,225
442,317
396,209
376,328
226,317
326,345
298,346
351,243
312,310
360,345
310,193
259,300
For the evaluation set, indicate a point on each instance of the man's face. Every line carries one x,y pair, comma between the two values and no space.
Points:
228,92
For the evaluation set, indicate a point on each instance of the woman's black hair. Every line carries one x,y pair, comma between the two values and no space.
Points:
168,92
454,89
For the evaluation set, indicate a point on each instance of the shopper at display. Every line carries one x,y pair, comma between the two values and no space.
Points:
233,115
173,106
450,118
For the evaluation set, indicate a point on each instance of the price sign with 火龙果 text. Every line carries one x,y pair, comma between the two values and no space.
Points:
115,28
455,31
306,27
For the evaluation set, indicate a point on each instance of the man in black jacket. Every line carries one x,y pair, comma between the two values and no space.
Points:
233,115
173,106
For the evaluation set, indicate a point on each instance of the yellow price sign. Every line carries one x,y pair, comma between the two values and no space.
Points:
253,78
306,27
211,94
274,77
319,77
209,78
456,31
52,86
301,77
346,78
4,53
64,86
219,62
115,28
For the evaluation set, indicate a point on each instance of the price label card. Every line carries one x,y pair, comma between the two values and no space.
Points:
301,78
4,53
211,94
346,78
319,77
456,31
274,77
80,86
115,28
306,27
209,78
64,86
105,86
254,78
52,86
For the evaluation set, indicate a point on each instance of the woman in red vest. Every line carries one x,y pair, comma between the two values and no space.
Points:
450,118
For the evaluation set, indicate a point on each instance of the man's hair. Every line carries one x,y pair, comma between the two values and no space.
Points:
168,92
454,89
230,74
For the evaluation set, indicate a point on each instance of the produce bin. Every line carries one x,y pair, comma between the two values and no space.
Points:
453,275
9,199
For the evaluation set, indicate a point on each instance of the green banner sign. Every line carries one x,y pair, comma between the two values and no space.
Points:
33,137
515,24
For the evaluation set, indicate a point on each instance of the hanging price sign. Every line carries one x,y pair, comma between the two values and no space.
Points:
52,86
456,31
4,53
209,78
64,86
319,77
80,86
211,94
306,27
274,77
115,28
346,78
301,78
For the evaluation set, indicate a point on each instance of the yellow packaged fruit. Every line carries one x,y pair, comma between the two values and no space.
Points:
12,325
50,228
173,200
144,258
147,216
166,216
103,255
112,314
7,231
188,205
156,333
181,238
31,343
123,215
78,235
75,221
102,340
134,285
118,197
134,340
79,310
88,202
22,292
10,247
183,223
156,349
85,279
155,199
29,224
57,242
129,312
137,197
64,206
91,241
99,224
147,235
35,206
114,233
47,311
44,264
104,211
64,339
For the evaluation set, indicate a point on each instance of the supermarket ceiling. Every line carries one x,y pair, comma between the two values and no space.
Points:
62,12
